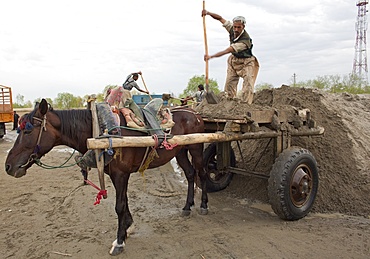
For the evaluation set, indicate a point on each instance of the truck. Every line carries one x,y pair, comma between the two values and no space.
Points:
6,108
142,100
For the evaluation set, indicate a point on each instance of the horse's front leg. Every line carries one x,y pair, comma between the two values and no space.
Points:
85,175
84,169
120,182
183,161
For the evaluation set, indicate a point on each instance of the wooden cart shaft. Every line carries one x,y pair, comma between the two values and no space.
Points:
148,141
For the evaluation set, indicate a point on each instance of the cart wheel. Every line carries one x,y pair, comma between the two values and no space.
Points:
293,183
216,180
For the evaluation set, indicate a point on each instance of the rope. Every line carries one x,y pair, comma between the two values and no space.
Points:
152,155
142,162
45,166
168,146
100,194
155,137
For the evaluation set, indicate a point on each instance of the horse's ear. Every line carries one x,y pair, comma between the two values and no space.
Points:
43,106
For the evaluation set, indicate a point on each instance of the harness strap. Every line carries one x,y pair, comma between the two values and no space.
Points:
37,147
43,127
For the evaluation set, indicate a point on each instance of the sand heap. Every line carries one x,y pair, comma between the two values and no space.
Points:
342,153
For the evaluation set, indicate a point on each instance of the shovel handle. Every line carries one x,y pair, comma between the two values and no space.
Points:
142,78
205,43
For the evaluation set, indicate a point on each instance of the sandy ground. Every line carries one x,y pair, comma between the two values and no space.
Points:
50,214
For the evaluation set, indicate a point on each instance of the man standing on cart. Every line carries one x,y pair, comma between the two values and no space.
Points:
241,63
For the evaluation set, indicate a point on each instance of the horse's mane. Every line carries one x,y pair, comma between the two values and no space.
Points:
73,122
78,120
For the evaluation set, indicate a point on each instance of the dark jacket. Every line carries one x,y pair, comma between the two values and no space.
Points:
244,38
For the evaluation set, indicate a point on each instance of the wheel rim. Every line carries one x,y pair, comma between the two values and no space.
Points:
301,185
213,174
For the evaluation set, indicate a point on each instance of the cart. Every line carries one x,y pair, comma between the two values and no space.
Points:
6,108
293,180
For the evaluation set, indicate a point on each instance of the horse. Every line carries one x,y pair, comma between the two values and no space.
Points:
44,128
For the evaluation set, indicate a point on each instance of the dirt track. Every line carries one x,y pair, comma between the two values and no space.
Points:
49,214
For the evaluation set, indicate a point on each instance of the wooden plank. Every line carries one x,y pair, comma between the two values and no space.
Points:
182,140
148,141
96,132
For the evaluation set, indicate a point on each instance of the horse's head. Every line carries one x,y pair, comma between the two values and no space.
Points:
37,136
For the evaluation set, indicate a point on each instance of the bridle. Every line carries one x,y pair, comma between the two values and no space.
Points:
33,156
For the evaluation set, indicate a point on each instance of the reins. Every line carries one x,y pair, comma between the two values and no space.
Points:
33,156
45,166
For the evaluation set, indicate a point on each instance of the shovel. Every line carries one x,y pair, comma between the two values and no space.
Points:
142,78
210,95
167,97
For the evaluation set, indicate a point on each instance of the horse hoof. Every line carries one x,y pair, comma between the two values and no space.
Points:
203,211
116,248
185,213
116,251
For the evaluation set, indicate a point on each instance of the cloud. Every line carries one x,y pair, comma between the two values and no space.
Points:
81,46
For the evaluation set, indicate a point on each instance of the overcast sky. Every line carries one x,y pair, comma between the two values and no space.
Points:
80,46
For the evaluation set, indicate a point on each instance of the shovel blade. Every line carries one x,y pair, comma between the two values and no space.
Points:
211,97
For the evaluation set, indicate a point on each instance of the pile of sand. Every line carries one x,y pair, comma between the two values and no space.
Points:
342,153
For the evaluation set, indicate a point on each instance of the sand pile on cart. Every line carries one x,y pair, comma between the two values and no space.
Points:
342,153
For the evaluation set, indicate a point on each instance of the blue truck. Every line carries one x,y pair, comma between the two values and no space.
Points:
142,100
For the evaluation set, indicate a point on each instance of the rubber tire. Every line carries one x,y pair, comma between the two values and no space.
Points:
210,162
280,180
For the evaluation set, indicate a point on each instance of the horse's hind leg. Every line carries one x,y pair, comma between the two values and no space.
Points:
196,152
184,163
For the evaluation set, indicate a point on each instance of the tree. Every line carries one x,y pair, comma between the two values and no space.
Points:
28,104
193,83
336,84
20,99
262,86
68,101
19,103
100,97
49,100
